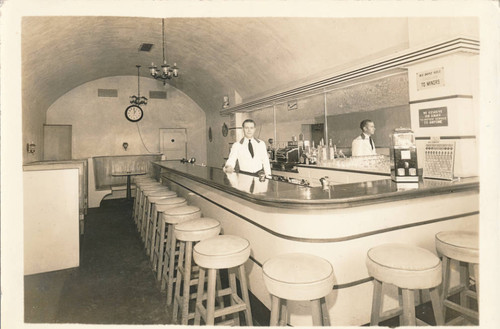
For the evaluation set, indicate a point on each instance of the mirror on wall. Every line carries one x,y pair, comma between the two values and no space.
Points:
384,100
337,113
307,117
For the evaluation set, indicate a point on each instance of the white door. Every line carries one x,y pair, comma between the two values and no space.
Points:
57,142
173,143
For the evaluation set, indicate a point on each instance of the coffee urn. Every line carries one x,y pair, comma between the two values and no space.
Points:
404,167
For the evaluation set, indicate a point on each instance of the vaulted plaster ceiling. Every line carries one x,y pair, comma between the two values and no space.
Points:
216,56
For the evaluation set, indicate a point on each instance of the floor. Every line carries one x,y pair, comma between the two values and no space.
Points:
114,283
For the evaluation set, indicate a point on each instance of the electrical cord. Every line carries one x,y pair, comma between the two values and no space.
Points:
137,124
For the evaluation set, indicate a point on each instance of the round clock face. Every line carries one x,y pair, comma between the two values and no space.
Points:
133,113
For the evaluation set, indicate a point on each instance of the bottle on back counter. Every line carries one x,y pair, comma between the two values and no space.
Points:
331,150
323,154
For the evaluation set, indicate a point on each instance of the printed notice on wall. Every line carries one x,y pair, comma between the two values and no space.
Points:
436,117
430,79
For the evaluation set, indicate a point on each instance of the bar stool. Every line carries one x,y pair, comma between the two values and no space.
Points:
409,268
187,233
222,252
144,209
139,196
159,207
172,217
138,181
301,277
462,249
146,189
138,185
151,199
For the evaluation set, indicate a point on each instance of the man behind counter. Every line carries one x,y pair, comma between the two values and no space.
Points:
363,144
250,152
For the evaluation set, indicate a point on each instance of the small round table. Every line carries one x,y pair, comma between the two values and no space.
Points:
128,174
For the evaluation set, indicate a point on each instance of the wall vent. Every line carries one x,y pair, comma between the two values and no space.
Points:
145,47
107,92
158,94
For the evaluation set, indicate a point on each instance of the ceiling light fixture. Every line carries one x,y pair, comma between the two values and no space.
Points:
138,100
166,72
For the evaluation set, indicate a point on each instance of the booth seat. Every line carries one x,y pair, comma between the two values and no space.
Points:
103,167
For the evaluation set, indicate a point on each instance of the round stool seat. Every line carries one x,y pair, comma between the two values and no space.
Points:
405,266
175,201
197,229
155,199
223,251
298,276
459,245
148,192
162,193
181,214
152,188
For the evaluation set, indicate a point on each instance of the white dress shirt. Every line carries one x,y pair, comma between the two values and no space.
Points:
361,146
240,152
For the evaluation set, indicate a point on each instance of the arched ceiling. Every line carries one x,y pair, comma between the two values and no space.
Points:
216,56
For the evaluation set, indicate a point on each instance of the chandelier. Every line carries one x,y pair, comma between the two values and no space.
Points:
138,100
167,72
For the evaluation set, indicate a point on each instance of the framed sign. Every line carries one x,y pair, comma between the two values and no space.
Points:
433,117
430,79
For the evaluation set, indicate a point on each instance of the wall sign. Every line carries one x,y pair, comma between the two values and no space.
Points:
430,79
434,117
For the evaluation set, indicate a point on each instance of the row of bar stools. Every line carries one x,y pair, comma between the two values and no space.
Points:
146,192
172,217
140,187
409,268
460,248
299,277
159,207
139,183
188,233
152,199
222,252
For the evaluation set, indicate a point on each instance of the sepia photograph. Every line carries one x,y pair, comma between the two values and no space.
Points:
239,163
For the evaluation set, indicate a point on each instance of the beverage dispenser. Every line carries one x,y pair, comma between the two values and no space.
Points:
403,152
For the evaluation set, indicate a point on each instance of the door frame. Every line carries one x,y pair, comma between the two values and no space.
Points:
176,128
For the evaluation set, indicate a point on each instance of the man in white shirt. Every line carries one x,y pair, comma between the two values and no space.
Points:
251,153
363,144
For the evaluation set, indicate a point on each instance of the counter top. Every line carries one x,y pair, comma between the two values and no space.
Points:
286,195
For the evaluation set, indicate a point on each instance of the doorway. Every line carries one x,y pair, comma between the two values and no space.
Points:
57,142
173,143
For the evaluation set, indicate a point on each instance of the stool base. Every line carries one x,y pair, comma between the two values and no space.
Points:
238,304
406,309
464,289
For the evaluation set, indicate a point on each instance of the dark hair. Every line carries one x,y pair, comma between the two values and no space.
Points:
247,121
364,123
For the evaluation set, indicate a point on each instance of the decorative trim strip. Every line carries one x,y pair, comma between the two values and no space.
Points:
439,98
447,137
397,62
326,240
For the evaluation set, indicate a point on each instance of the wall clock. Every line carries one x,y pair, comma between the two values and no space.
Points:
225,129
133,113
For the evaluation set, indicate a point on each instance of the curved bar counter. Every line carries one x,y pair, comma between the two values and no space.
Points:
339,224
